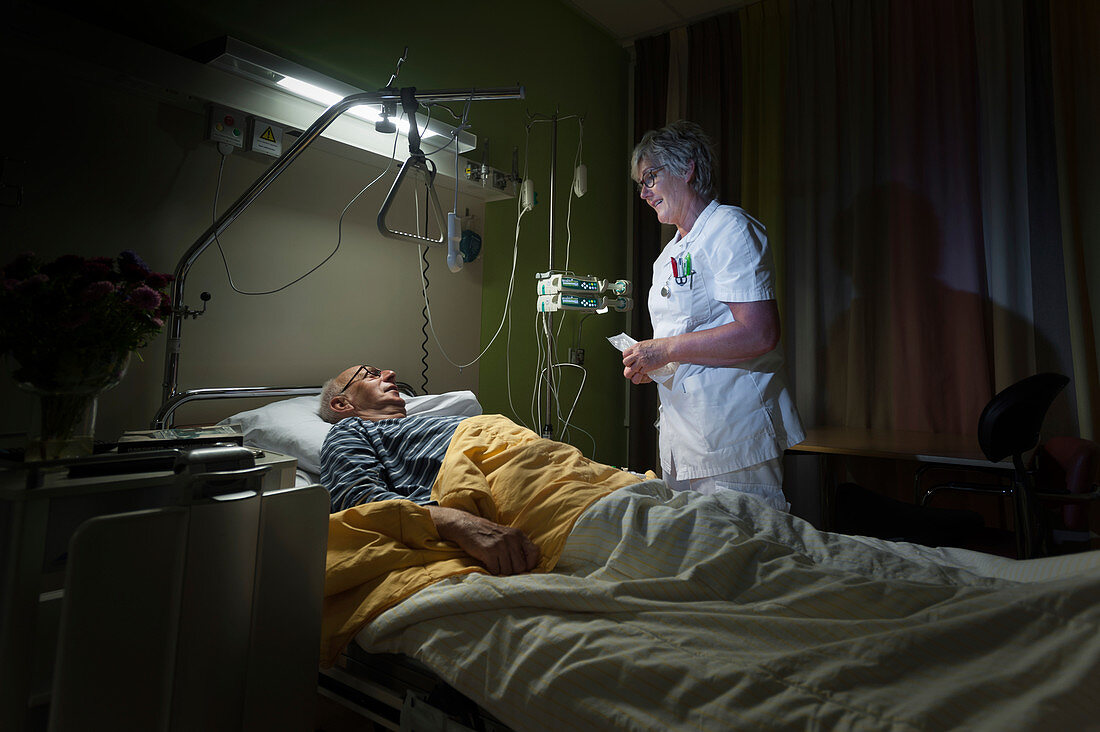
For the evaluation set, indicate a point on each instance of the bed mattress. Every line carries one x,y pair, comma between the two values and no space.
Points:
675,610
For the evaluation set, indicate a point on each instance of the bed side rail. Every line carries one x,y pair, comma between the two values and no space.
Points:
163,417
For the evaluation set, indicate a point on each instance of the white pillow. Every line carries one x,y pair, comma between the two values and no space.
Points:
451,404
293,427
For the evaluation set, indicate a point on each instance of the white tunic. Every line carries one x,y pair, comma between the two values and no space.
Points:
718,419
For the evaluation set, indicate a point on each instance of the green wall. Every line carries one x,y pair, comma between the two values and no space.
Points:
567,66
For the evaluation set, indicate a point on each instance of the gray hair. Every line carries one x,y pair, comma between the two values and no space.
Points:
677,145
331,388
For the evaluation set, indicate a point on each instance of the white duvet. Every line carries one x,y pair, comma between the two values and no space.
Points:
681,611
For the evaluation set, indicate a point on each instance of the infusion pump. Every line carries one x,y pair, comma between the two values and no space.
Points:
560,291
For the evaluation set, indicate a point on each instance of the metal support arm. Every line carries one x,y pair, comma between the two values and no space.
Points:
175,322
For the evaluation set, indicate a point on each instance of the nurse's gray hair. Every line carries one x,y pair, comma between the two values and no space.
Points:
676,145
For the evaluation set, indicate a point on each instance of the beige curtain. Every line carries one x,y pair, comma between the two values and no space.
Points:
1075,30
928,172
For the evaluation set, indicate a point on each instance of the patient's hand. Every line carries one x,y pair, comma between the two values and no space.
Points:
503,550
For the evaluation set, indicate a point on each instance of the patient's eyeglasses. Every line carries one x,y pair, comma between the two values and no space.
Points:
649,178
369,372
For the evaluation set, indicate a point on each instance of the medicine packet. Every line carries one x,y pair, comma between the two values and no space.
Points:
662,376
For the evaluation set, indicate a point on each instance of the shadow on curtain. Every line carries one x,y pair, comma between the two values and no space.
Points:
925,171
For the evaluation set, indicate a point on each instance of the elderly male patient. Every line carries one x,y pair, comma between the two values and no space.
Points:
375,452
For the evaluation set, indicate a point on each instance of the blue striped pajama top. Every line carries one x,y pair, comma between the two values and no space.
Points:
364,461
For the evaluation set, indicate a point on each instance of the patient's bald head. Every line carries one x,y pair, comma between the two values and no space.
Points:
361,391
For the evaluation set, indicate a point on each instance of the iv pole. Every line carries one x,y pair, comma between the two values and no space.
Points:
548,426
172,398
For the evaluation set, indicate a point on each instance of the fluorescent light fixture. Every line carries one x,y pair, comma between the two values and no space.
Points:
256,64
365,112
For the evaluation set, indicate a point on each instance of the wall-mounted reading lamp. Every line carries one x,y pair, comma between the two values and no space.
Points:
388,96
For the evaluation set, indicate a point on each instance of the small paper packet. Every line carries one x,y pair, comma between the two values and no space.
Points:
662,375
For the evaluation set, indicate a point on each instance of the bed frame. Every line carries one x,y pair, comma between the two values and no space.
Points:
391,691
411,704
409,97
399,693
164,415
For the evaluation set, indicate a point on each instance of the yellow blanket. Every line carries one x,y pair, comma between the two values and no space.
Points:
380,553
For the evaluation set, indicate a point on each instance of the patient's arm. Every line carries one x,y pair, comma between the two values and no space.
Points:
503,550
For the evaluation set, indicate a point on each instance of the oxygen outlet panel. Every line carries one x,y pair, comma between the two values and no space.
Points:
486,176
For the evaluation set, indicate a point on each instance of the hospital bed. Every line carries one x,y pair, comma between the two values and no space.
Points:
669,611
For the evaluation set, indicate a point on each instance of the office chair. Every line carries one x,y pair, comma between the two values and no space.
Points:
1009,427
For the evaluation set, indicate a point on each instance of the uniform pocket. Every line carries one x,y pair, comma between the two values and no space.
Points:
726,405
688,304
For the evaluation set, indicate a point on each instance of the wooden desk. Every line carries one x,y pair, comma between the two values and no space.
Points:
924,447
930,450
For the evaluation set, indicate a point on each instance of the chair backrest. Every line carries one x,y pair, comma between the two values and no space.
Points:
1011,421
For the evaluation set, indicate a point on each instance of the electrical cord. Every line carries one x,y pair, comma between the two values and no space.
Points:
550,373
339,229
423,310
521,211
572,190
567,422
424,325
423,276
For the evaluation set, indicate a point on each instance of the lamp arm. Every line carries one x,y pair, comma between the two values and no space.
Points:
175,322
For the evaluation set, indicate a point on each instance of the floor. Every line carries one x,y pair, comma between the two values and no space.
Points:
334,717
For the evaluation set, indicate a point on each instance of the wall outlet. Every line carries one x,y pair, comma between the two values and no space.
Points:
576,355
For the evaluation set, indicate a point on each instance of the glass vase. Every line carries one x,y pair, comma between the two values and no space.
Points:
63,414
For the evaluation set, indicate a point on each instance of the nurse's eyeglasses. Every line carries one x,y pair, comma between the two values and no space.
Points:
649,178
369,372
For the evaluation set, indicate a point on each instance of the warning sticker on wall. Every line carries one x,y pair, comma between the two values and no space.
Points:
267,138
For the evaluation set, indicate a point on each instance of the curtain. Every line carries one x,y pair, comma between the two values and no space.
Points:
764,54
925,171
651,84
1074,29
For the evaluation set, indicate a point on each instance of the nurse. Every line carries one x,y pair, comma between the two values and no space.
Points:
726,414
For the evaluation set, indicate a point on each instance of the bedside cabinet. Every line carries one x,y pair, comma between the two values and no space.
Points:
161,590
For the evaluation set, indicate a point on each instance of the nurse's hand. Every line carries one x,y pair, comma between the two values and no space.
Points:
635,377
640,359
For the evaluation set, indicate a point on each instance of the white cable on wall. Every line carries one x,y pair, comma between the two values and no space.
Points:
504,317
339,228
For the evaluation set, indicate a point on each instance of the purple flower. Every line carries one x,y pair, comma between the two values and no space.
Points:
132,266
32,282
96,290
65,265
99,268
10,284
158,279
145,297
21,267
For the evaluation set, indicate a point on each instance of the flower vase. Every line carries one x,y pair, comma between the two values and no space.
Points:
63,414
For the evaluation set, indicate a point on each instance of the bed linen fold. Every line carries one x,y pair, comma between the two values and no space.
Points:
380,553
681,611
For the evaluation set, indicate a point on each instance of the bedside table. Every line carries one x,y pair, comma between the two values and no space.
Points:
199,525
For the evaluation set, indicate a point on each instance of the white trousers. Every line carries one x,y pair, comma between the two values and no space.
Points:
764,480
